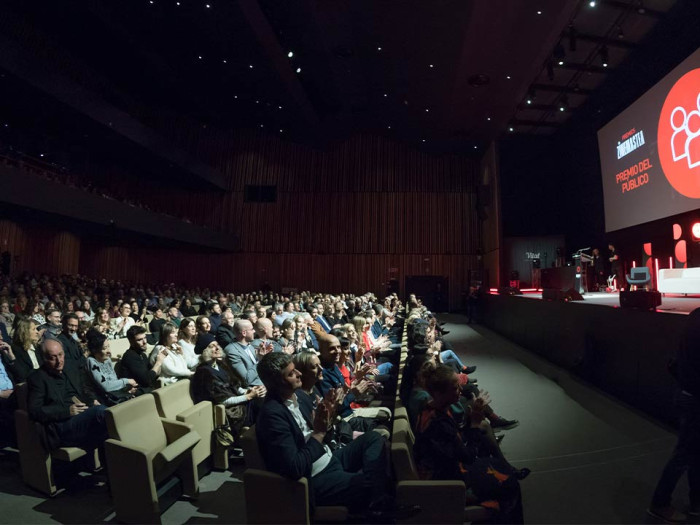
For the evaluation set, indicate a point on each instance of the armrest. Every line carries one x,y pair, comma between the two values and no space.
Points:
219,415
440,501
194,410
179,447
174,430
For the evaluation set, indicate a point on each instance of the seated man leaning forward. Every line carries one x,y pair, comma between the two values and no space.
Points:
58,399
290,435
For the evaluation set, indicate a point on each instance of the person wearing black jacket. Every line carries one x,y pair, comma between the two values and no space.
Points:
134,363
291,436
686,455
224,334
74,356
58,399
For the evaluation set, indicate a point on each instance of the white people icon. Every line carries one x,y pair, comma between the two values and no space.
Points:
685,141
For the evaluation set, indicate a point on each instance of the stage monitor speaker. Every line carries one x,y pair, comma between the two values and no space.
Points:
552,294
640,299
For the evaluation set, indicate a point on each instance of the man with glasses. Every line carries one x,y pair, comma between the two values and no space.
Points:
241,354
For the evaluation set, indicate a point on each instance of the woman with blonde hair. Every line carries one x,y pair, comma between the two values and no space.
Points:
24,356
103,322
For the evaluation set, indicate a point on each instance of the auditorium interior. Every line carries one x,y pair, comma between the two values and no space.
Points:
472,170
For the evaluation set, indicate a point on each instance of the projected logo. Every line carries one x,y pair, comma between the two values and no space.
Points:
679,135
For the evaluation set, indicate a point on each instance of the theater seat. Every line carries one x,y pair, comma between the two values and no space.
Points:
291,497
35,461
175,402
144,454
440,501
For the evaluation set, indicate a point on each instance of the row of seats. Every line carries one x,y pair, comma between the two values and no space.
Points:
151,437
440,501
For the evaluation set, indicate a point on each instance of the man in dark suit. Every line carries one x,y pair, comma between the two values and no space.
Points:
241,354
291,439
224,334
58,399
74,357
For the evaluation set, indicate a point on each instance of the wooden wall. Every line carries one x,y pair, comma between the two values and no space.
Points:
348,218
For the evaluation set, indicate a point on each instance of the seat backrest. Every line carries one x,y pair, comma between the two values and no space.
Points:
173,399
136,422
117,347
402,451
21,394
251,451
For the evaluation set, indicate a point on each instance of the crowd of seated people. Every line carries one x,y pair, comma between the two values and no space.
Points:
316,373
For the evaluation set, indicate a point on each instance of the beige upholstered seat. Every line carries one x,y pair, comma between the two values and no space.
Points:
117,347
143,452
175,402
291,502
35,461
440,501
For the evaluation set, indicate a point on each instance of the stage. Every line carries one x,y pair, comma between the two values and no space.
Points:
670,303
622,351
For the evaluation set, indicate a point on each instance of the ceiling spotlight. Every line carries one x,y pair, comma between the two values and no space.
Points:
604,56
475,147
224,61
564,103
531,96
298,70
257,102
250,66
208,6
281,131
379,49
177,3
488,118
427,110
423,140
507,77
41,154
200,57
539,12
279,107
386,95
591,3
388,127
235,96
290,54
151,2
262,126
511,129
430,66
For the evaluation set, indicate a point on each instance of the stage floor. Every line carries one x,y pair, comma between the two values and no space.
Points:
673,304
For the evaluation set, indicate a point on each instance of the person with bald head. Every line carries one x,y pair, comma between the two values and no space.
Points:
59,399
241,355
263,342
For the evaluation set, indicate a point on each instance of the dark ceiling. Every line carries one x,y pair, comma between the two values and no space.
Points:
447,74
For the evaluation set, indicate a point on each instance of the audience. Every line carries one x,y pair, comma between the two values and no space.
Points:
23,357
241,354
224,334
175,365
111,389
135,364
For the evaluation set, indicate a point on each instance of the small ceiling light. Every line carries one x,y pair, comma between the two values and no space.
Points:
250,66
559,54
224,61
564,103
208,6
298,70
386,95
262,126
279,107
475,147
591,3
200,57
379,48
531,95
177,3
430,65
423,140
507,77
281,131
41,154
640,8
604,57
427,110
511,129
235,96
488,118
151,2
290,54
539,12
257,102
388,127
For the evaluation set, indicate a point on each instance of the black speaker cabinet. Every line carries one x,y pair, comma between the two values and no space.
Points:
552,294
640,299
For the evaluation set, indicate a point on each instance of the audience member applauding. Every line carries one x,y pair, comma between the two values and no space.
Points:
214,380
158,321
175,365
241,354
443,452
291,438
59,399
103,322
111,389
134,363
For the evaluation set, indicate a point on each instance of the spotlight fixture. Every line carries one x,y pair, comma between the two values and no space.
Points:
511,129
427,110
559,54
250,66
604,56
488,118
208,6
539,12
507,77
531,95
379,48
423,140
591,3
290,54
430,66
298,70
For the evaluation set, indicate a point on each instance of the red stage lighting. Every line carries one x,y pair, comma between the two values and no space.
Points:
695,229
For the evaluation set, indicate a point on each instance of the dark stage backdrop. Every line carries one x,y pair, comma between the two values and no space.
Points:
519,253
348,218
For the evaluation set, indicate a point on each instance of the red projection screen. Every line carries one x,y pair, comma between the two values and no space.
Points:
650,153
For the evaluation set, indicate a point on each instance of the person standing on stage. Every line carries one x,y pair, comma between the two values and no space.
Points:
615,265
598,267
686,455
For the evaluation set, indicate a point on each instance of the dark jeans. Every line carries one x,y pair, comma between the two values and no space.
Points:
356,475
87,430
685,457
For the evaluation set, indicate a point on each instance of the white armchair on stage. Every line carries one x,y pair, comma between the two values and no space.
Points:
679,280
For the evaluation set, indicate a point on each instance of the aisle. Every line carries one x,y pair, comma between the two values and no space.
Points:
593,459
